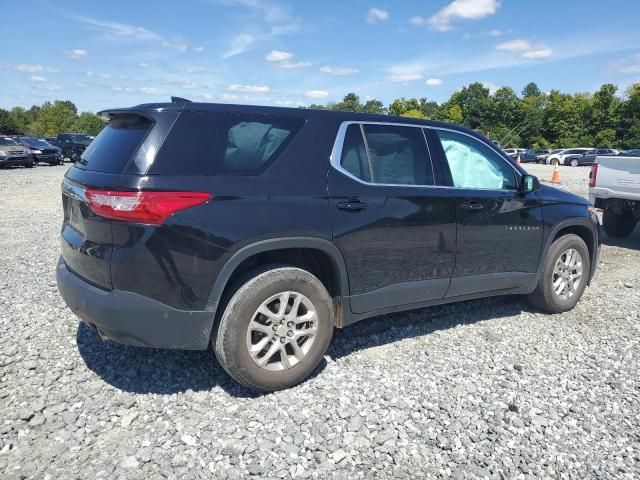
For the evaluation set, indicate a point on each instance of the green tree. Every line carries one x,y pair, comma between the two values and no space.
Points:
415,113
350,103
629,127
374,106
89,123
6,123
476,105
56,117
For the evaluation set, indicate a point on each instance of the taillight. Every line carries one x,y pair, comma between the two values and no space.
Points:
142,207
593,174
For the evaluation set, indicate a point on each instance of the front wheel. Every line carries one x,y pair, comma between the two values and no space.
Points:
575,162
275,329
564,276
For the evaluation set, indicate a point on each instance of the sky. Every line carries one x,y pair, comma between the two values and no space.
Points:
285,52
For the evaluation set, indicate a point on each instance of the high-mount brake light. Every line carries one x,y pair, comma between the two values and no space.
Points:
147,207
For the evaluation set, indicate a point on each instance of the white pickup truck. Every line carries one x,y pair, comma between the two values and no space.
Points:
614,187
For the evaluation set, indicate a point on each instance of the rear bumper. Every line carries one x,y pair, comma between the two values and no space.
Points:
133,319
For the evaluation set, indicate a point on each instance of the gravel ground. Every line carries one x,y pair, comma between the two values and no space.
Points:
488,388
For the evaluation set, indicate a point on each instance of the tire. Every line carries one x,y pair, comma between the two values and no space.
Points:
232,338
618,224
545,297
575,162
30,164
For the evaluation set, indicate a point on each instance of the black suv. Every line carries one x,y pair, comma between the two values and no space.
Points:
41,150
260,229
73,144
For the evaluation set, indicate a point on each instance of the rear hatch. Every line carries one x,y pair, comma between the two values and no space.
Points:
108,162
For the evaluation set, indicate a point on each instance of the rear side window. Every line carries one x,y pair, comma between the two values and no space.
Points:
387,154
224,143
114,146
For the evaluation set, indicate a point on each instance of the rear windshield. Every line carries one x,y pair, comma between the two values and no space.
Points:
224,144
114,146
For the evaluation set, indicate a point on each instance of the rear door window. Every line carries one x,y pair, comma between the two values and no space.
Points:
114,146
224,143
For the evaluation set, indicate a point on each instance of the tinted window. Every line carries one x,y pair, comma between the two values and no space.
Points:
398,155
224,143
6,142
115,144
474,165
354,155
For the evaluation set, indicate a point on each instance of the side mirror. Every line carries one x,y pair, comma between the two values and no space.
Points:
529,183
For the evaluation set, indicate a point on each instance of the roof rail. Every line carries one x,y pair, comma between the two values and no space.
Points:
179,100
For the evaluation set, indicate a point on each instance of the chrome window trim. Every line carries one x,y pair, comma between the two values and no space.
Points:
336,154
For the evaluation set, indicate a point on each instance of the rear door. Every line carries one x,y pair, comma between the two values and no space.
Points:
395,229
499,229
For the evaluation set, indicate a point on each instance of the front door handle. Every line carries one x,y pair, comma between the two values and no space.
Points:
472,206
352,205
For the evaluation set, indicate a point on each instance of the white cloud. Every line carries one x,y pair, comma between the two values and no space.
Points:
45,86
238,45
187,84
123,31
79,85
317,94
495,33
493,88
377,15
417,21
278,56
199,49
29,68
433,82
78,53
525,49
143,65
203,96
152,91
282,59
462,9
339,71
105,75
37,79
271,12
405,77
236,87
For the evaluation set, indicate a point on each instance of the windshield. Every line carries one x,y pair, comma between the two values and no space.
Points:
82,138
35,142
7,142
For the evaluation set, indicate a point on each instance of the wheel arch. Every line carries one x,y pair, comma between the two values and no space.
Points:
579,226
313,254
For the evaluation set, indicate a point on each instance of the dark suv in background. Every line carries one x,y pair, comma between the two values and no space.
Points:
73,144
259,230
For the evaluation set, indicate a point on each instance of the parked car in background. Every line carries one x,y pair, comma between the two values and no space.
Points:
542,158
41,150
514,152
562,154
588,157
259,230
12,153
634,152
614,187
73,144
532,155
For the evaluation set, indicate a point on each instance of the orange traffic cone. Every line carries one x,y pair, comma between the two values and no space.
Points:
555,178
518,159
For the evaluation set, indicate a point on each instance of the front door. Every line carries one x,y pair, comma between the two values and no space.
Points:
395,229
500,229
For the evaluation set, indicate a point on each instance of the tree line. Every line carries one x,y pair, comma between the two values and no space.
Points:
533,119
49,119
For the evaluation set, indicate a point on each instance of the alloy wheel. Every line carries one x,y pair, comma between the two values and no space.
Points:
567,274
282,331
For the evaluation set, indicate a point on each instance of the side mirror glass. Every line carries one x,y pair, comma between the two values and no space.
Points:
530,183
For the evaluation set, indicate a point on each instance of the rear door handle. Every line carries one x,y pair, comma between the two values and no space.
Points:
472,205
352,205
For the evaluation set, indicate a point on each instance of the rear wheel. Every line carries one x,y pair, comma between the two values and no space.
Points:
618,224
564,275
275,329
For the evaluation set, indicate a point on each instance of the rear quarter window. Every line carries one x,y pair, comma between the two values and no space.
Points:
114,146
224,144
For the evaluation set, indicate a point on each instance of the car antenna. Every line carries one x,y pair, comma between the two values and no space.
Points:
179,100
